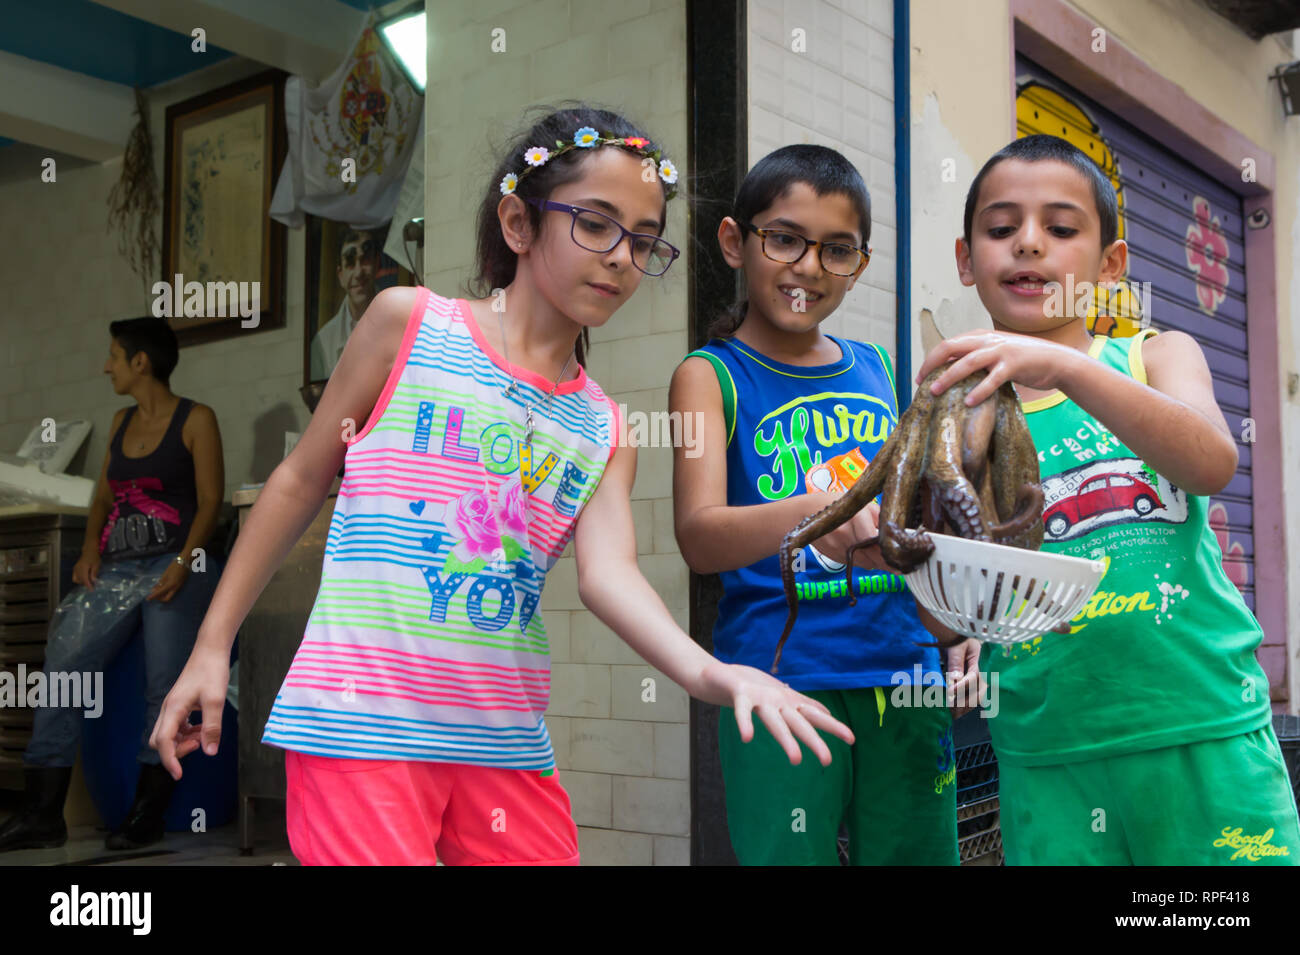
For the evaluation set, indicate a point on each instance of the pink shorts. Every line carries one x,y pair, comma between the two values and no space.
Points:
396,812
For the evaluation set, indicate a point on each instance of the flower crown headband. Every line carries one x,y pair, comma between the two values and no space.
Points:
588,138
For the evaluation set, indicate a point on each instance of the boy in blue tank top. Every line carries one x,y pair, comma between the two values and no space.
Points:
791,416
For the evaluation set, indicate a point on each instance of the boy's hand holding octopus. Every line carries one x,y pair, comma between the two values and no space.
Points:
864,525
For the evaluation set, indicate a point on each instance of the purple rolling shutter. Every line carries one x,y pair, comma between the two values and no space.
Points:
1184,233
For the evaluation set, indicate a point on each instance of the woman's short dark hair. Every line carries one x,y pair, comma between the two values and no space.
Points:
154,337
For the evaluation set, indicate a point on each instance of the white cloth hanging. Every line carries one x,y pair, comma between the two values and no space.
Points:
366,111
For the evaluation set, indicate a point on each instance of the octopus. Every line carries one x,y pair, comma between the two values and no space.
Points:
946,468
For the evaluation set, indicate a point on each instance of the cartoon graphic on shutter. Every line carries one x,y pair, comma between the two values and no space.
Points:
1116,312
1186,252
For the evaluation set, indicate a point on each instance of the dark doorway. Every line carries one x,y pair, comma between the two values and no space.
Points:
718,146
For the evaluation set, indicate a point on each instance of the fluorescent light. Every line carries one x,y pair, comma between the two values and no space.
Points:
405,37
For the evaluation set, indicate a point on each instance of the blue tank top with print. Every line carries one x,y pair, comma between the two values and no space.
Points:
789,420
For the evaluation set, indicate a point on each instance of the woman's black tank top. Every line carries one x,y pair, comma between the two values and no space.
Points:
154,498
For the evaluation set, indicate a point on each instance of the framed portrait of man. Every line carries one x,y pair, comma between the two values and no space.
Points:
346,269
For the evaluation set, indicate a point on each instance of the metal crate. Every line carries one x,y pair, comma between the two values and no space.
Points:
979,835
979,832
37,554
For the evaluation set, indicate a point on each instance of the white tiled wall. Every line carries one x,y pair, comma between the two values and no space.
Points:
65,281
623,761
837,92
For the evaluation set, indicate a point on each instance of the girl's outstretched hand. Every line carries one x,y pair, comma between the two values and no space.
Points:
785,712
201,686
1024,359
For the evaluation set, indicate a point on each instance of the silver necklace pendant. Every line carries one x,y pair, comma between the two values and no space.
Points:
513,388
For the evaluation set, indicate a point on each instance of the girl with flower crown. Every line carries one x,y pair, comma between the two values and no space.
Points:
411,716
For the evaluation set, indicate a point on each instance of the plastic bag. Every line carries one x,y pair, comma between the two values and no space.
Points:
84,612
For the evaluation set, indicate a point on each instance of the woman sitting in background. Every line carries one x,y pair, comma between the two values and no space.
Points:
157,501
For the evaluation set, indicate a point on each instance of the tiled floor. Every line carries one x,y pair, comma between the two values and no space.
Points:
85,846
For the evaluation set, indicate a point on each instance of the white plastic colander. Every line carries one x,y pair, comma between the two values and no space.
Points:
1002,594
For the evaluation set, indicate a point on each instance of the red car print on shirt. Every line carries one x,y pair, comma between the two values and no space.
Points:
1102,494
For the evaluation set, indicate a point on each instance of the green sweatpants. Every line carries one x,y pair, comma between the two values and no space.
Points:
895,788
1218,802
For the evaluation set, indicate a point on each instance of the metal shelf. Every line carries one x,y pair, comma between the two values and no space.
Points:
37,554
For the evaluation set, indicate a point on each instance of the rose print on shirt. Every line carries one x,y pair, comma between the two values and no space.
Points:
476,523
1207,253
512,504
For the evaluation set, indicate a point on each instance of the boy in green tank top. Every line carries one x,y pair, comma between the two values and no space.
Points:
1144,736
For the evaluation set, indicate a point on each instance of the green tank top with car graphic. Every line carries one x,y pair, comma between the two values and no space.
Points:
1164,652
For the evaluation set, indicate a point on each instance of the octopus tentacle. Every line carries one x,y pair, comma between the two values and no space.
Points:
908,549
899,547
818,525
946,468
976,435
918,513
1029,510
896,469
1003,472
848,567
931,510
988,504
1015,465
946,474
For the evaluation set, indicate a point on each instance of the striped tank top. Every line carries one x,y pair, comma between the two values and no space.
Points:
426,641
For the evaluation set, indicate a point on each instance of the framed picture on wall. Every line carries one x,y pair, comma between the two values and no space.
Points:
346,269
223,256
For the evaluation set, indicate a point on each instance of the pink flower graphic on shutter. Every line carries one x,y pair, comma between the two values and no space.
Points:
1234,564
1207,256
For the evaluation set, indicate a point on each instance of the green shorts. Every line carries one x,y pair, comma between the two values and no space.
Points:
1218,802
895,788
